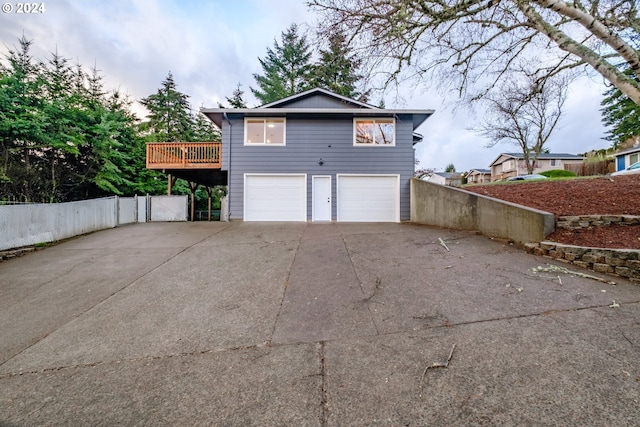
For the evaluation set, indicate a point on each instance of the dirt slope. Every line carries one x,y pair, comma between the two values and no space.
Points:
586,196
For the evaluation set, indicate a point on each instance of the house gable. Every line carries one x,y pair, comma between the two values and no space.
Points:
317,98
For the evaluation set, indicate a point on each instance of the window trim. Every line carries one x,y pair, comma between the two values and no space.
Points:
355,131
265,120
508,165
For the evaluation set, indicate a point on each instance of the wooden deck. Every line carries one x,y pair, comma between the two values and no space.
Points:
183,155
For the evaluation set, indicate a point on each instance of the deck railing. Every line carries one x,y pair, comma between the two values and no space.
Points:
184,155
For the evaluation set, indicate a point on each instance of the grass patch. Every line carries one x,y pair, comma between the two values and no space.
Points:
558,173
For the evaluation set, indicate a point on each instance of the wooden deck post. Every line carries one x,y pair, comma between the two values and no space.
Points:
170,183
193,186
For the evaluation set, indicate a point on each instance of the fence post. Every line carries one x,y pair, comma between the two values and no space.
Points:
116,205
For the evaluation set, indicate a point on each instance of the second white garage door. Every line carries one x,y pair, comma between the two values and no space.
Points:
368,198
269,197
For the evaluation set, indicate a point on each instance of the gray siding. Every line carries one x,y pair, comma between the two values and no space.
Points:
319,102
227,132
309,140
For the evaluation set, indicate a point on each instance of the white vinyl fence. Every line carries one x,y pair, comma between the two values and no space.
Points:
168,208
30,224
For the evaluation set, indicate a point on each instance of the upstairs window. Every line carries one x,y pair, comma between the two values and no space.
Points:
509,165
371,132
264,131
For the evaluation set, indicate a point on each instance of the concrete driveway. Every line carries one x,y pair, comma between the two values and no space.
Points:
237,324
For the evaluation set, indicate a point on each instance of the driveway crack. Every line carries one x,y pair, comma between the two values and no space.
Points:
284,288
324,400
365,298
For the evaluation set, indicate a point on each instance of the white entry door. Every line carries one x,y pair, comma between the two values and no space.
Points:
321,198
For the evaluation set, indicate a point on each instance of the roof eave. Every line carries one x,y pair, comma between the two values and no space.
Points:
217,114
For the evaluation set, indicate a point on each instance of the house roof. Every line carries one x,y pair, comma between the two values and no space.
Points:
628,151
541,156
449,175
313,92
479,170
352,108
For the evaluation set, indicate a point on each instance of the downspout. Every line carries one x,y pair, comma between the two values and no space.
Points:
229,169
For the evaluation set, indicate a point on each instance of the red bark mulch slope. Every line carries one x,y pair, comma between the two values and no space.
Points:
617,195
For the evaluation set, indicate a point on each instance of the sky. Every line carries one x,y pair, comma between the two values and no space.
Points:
210,46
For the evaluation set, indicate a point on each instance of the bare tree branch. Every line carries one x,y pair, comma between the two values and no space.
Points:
525,114
475,44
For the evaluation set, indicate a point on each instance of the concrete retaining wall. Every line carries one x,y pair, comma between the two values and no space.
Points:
621,262
442,206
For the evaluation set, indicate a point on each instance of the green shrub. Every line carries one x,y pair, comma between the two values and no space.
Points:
557,173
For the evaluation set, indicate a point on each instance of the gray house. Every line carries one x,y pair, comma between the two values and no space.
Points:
318,156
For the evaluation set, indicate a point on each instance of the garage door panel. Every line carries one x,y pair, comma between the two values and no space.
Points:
275,198
368,198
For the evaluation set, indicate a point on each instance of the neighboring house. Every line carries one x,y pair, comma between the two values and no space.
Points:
479,176
513,164
626,158
318,156
451,179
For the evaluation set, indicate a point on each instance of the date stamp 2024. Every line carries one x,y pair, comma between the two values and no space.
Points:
23,8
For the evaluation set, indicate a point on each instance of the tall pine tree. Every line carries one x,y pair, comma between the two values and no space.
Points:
169,116
286,68
236,100
337,69
22,124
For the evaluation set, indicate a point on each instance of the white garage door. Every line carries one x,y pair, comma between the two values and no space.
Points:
275,197
368,198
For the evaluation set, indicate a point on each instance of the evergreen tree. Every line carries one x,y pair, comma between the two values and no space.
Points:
337,69
622,114
22,124
61,137
169,116
63,115
204,129
286,68
236,100
450,168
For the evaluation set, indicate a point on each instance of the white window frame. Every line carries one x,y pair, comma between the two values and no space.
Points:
633,156
368,119
265,120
